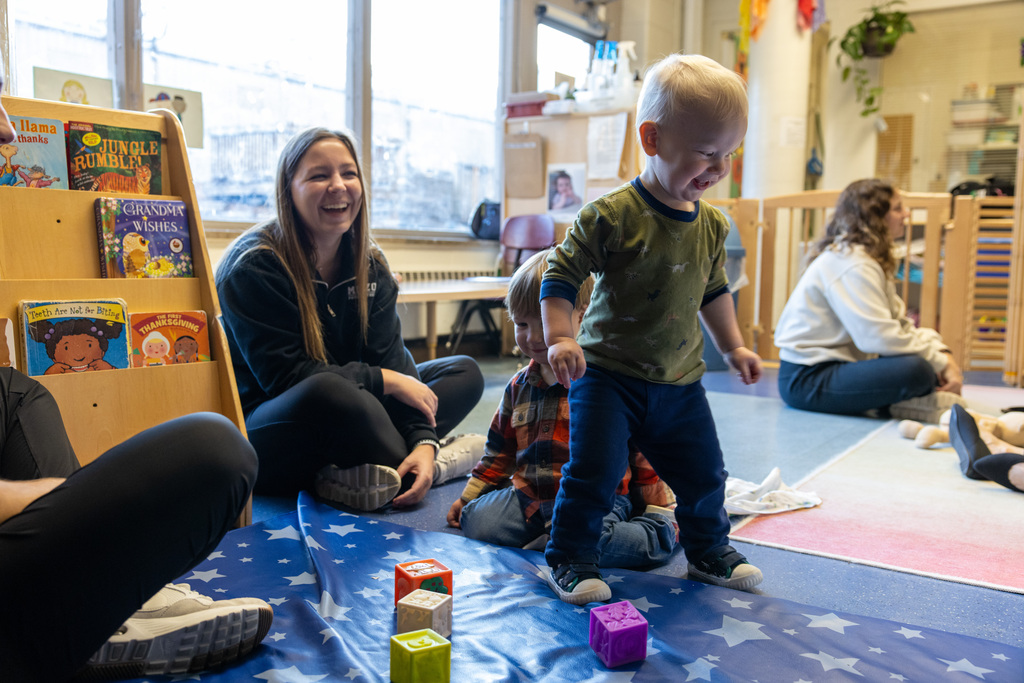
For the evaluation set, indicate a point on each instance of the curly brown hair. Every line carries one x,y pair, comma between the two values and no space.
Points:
859,218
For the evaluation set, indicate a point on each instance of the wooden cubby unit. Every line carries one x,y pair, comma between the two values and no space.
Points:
49,250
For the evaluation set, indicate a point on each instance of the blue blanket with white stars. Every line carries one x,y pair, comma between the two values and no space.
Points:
330,577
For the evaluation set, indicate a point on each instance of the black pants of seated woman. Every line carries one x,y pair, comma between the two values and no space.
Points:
325,420
81,559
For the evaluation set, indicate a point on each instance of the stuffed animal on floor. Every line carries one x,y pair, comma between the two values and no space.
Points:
1002,434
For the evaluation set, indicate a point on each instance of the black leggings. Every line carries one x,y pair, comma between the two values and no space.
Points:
81,559
325,420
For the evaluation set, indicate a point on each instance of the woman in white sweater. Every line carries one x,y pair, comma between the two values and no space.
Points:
844,341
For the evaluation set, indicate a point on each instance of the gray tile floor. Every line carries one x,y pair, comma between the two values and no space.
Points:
759,432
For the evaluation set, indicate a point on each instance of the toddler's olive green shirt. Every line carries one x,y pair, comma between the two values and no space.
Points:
654,267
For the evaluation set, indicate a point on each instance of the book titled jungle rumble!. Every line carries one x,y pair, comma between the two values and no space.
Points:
113,158
143,238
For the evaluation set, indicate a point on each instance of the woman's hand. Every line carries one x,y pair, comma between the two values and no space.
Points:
455,514
411,392
951,379
421,463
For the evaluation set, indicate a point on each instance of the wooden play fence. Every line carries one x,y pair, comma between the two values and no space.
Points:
960,270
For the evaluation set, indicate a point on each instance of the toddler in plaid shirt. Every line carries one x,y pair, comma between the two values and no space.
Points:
510,495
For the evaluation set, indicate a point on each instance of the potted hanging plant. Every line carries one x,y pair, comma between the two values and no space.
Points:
875,35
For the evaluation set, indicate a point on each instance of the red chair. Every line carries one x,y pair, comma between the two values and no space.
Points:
521,238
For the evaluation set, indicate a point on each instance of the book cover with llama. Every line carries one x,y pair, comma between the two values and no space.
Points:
74,335
169,338
105,158
38,158
143,238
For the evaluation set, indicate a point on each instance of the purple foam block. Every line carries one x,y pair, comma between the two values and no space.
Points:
618,634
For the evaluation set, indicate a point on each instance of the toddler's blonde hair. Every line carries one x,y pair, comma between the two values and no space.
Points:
523,298
690,86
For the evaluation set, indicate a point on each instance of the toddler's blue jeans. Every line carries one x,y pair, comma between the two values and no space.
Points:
672,426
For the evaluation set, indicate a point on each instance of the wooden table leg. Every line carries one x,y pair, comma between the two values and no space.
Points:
431,330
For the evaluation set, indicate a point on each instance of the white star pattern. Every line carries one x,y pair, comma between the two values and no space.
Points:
699,670
399,557
329,609
301,579
531,599
501,593
968,668
207,576
598,676
828,662
643,604
735,631
289,533
289,675
535,636
342,530
738,604
909,633
829,621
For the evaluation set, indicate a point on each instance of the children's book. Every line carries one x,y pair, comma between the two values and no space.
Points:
143,238
68,336
169,338
7,346
113,158
38,158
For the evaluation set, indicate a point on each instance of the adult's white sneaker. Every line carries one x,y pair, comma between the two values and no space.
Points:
180,631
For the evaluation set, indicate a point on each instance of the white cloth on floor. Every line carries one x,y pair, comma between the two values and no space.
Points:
768,497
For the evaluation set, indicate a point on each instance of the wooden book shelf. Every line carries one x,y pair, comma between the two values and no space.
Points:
49,250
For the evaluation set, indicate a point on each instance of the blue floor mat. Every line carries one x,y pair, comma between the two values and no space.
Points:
330,577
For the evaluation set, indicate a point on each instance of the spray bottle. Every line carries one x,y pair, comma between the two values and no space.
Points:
625,90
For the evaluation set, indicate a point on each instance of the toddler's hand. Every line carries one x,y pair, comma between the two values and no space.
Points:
455,514
746,363
566,360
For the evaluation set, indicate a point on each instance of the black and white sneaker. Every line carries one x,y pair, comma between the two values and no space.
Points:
724,566
578,584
